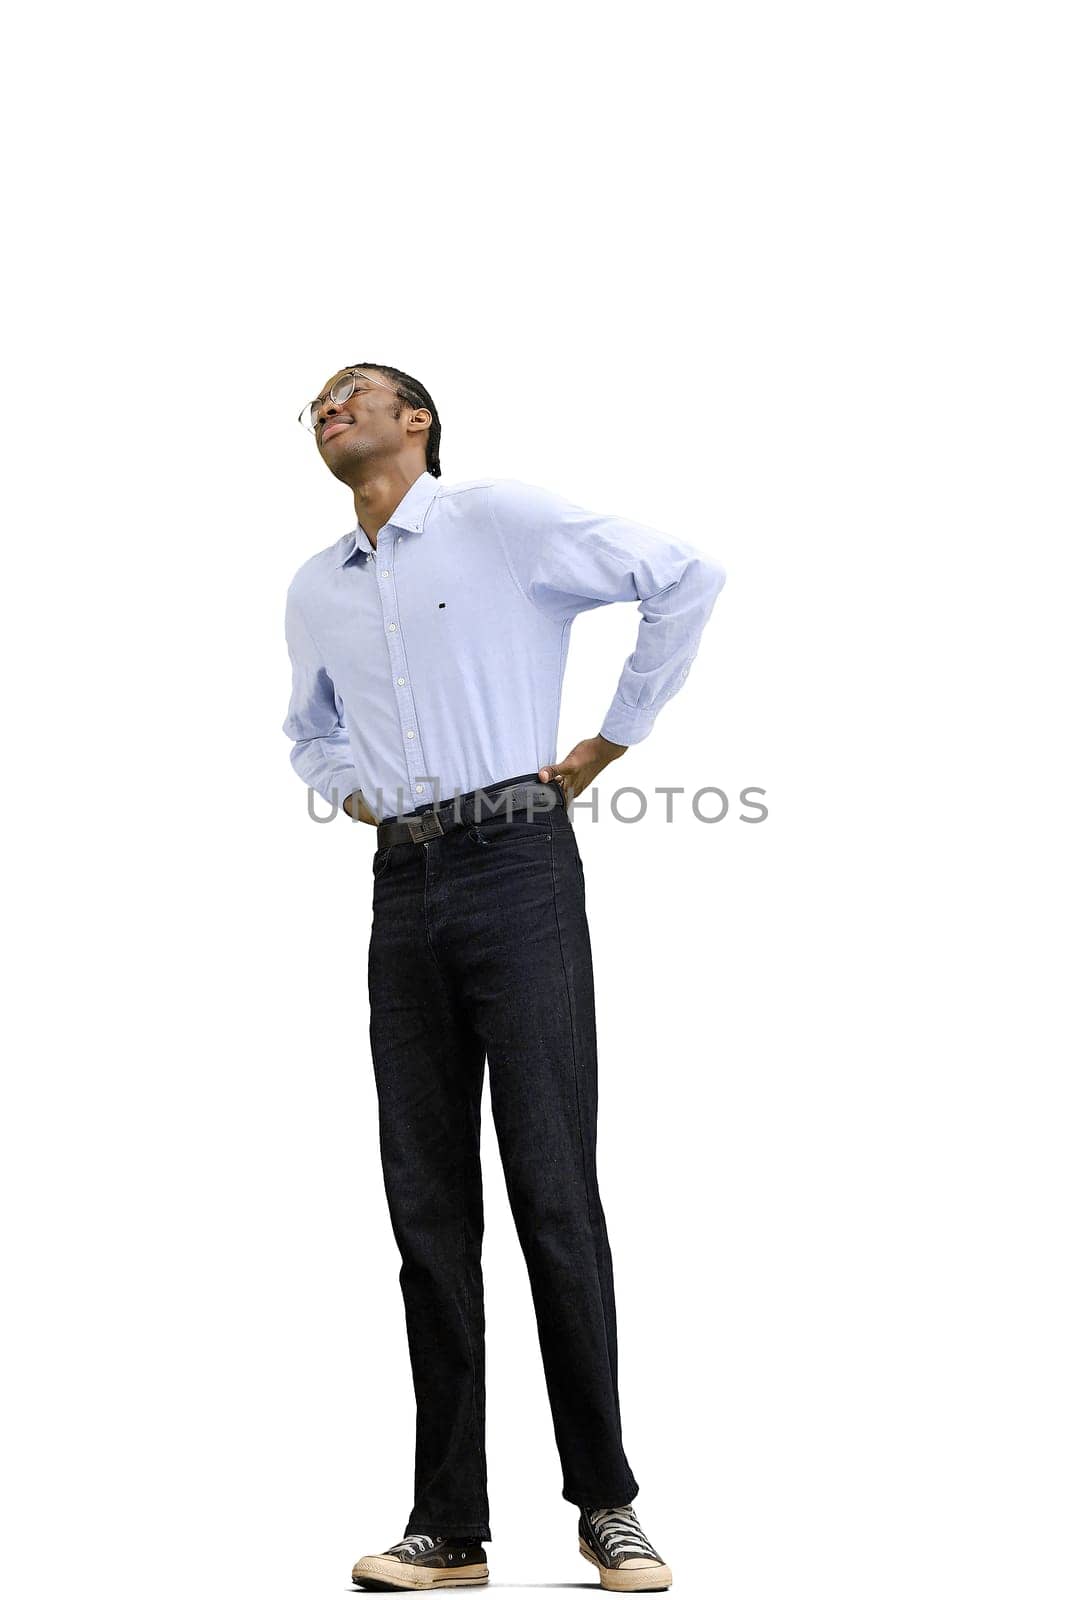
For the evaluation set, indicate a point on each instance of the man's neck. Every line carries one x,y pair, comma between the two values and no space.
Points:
377,496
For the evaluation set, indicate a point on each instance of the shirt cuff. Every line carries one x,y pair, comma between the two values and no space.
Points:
627,724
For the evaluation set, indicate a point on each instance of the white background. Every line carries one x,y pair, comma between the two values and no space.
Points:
787,281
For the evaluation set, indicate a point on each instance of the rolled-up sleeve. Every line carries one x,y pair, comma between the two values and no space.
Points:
567,560
321,753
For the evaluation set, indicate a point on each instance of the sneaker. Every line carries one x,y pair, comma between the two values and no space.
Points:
424,1561
613,1541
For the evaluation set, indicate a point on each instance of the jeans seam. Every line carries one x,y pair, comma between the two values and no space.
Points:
479,1430
574,1072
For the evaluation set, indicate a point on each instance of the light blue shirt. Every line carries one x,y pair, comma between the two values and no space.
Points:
434,665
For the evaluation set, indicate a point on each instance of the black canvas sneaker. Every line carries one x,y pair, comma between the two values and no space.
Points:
613,1541
424,1561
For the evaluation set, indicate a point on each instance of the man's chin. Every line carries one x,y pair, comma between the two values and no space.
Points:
341,456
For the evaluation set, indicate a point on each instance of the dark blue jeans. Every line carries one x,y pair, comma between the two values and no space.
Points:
479,949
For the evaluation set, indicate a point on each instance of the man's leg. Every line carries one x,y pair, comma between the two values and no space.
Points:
428,1069
521,943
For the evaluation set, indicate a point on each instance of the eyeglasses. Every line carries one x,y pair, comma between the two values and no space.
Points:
350,382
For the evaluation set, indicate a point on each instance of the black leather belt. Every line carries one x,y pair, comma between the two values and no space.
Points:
479,804
415,830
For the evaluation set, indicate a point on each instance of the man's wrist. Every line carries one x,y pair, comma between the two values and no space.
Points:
611,750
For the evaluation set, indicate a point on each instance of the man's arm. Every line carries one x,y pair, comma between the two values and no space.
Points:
567,560
363,813
321,753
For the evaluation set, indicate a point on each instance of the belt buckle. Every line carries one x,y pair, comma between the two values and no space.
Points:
426,826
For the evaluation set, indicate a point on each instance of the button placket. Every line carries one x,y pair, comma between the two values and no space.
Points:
394,639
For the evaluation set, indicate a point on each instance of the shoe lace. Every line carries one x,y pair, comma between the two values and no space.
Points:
416,1545
620,1533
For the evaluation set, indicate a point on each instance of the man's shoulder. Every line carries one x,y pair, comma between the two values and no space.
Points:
474,487
502,494
310,573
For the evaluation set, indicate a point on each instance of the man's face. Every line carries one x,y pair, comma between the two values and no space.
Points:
372,423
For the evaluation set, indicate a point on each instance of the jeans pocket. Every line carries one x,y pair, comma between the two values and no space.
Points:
381,859
498,830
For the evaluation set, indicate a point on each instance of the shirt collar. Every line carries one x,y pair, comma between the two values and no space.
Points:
410,515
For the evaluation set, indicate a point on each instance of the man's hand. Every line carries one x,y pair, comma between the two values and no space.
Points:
364,814
578,770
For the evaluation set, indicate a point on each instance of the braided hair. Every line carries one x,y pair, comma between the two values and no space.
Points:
414,394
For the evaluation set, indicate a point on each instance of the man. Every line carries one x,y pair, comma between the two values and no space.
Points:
428,648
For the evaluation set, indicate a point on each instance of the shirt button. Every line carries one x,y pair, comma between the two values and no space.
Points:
385,572
411,733
401,681
418,788
392,627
